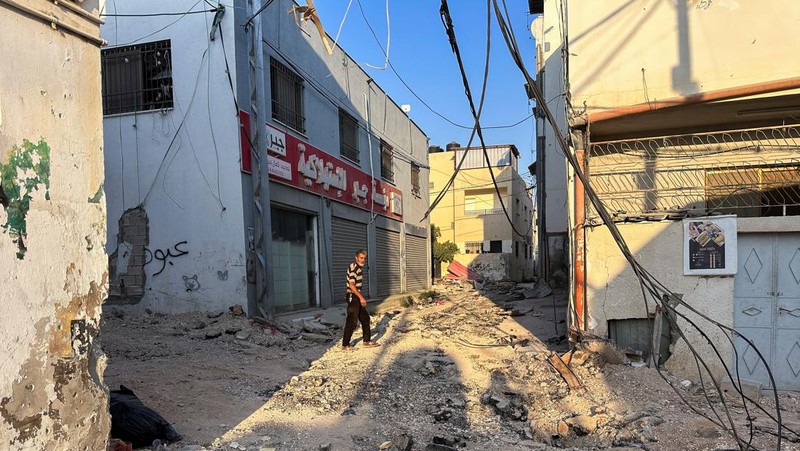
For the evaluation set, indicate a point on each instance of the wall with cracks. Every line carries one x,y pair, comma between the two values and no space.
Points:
52,228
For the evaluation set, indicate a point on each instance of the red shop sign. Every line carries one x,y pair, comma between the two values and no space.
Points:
297,163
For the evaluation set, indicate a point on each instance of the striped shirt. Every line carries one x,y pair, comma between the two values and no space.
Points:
355,276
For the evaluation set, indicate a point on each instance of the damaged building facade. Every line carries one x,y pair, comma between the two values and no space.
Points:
247,164
52,227
689,135
471,214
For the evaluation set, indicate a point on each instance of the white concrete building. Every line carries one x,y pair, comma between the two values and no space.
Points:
193,223
689,135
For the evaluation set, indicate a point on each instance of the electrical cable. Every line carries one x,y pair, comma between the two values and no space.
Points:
444,12
651,286
160,14
430,108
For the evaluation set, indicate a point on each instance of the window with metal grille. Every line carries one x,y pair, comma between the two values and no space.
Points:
286,88
414,179
348,137
473,247
387,166
137,77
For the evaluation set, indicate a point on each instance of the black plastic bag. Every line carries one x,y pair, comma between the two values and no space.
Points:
136,423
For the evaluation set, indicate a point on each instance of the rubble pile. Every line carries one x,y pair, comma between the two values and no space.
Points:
459,367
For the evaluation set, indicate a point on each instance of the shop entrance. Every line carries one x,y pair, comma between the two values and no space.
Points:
294,260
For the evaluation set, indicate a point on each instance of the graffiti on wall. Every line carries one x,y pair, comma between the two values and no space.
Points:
164,257
27,169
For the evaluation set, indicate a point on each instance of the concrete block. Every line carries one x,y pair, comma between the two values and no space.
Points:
750,388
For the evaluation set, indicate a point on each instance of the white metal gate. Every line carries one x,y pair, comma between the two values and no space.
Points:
767,308
347,237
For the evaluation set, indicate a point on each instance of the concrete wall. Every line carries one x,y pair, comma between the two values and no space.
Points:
180,168
613,291
625,53
552,170
52,255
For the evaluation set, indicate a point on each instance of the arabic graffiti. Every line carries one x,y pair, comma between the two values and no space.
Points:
164,257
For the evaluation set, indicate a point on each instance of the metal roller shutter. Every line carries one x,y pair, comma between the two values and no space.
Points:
417,268
346,238
387,246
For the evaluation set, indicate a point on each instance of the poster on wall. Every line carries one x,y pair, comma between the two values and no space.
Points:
709,246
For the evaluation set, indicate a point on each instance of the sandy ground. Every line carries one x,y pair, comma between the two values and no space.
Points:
467,369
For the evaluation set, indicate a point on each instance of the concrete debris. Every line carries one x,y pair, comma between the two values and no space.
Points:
540,290
236,310
455,367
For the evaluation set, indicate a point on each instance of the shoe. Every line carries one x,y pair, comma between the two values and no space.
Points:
370,344
348,348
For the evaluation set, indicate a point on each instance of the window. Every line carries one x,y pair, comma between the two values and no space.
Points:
496,247
287,96
348,137
754,191
473,247
137,78
482,202
414,179
387,167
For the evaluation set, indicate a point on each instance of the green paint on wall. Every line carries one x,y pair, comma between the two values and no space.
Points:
28,168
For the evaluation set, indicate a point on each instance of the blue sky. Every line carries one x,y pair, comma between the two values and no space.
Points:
421,55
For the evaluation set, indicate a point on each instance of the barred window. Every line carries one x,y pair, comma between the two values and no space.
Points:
414,179
287,96
348,137
473,247
387,162
137,77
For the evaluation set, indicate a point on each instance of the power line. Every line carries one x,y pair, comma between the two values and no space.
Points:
666,301
430,108
182,13
444,12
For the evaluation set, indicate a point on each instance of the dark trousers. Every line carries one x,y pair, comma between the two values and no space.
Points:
355,314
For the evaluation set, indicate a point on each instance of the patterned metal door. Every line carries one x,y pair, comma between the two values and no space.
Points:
767,309
787,323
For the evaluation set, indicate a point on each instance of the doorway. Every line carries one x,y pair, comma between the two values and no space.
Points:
767,308
294,260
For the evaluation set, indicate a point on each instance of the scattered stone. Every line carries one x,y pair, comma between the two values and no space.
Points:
232,330
686,383
316,338
325,447
707,429
215,314
236,310
242,336
609,352
563,429
213,334
402,442
583,424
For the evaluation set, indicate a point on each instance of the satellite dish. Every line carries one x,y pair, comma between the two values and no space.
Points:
405,107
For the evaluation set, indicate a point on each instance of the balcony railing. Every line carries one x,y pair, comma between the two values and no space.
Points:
487,211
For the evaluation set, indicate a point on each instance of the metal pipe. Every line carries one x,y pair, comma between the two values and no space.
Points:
701,97
55,22
580,247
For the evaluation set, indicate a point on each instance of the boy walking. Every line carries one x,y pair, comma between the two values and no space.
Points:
356,303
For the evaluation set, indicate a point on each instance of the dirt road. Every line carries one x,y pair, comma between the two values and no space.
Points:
466,369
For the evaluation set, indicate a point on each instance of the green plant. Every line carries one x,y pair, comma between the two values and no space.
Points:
444,252
425,295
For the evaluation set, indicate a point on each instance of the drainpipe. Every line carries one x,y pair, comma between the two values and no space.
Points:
580,248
